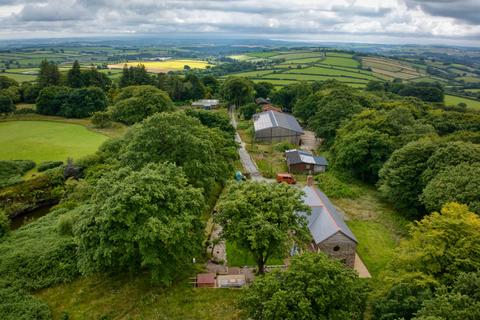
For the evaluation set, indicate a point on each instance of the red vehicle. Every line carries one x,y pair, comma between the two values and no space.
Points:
286,177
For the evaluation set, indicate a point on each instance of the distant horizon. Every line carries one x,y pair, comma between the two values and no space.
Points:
199,37
451,22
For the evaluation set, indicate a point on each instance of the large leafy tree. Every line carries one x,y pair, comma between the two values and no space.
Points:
51,99
135,103
313,287
459,183
288,95
205,154
74,76
147,219
6,104
134,76
441,247
237,91
400,177
462,302
49,75
263,89
262,218
83,102
6,82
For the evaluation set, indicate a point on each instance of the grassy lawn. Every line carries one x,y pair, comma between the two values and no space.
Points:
102,297
454,100
46,141
340,61
237,257
376,244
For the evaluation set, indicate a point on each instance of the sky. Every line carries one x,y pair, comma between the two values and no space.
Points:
374,21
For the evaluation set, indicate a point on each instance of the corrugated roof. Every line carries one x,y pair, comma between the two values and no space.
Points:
206,102
324,221
272,119
295,156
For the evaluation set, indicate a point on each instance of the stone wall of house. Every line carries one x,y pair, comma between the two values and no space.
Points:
339,247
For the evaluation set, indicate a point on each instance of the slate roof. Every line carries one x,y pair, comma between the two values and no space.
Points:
206,102
324,221
295,156
273,119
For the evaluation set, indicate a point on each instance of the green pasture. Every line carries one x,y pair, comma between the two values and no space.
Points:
304,60
46,141
306,77
301,55
325,71
454,100
340,61
19,77
468,79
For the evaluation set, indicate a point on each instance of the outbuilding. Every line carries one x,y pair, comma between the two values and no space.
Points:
205,280
329,231
206,104
273,126
300,161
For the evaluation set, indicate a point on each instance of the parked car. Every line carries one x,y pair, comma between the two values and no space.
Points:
286,178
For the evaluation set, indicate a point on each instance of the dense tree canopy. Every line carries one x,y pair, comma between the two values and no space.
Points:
288,95
74,76
248,110
147,219
262,218
313,287
71,103
6,82
134,76
263,89
459,183
49,75
441,247
237,91
6,104
204,154
135,103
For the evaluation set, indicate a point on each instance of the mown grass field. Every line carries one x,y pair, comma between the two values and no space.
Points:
164,66
128,297
454,100
46,141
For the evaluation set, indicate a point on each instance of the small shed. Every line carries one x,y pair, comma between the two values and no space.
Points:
206,104
300,161
231,281
329,231
206,280
273,126
262,101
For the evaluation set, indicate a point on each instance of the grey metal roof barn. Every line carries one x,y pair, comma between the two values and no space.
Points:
300,161
276,126
329,231
295,156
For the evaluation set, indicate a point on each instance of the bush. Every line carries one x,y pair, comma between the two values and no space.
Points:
18,304
48,165
25,111
102,119
11,171
28,195
335,188
6,104
284,146
4,223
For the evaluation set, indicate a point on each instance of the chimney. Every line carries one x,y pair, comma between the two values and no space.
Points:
310,181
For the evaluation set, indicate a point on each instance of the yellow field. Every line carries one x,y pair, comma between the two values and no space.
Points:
164,66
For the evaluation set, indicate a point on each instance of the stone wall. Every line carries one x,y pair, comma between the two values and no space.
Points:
339,247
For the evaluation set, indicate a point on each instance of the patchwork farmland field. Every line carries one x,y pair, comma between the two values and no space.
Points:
304,65
454,100
164,66
390,69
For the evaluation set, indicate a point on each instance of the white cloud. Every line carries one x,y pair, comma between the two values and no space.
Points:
269,18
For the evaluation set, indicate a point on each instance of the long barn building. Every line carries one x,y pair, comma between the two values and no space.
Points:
273,126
